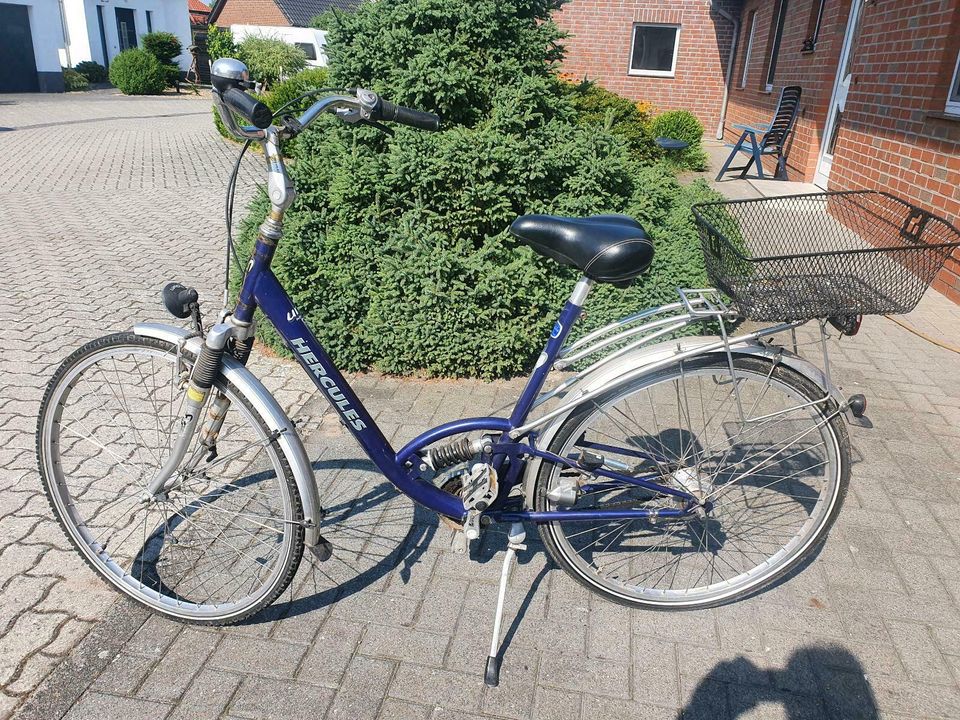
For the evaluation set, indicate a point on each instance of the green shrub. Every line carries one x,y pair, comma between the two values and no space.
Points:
599,107
396,249
137,72
164,46
72,80
93,71
682,125
295,86
220,43
270,60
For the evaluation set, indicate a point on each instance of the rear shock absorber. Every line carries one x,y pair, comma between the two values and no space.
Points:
455,452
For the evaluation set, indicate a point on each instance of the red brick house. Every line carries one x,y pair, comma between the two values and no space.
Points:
881,87
275,13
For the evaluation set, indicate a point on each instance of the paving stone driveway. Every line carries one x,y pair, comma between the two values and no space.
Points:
104,198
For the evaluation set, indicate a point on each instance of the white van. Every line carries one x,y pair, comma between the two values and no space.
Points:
313,42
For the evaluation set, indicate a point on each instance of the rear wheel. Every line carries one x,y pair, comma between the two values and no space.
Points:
774,484
223,542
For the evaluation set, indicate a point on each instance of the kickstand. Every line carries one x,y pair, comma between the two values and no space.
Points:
515,538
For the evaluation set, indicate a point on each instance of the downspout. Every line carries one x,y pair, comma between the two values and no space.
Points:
65,32
733,54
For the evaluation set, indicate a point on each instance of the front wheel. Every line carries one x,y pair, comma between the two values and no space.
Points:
772,480
219,544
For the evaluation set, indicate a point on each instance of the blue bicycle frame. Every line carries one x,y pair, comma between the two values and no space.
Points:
261,289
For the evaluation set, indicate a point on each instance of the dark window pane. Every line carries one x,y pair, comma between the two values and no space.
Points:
653,47
308,50
955,92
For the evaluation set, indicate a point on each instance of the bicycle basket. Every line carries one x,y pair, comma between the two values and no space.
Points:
824,254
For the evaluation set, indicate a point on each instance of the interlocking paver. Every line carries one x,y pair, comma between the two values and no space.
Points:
121,195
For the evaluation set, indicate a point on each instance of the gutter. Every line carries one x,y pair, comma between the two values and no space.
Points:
733,54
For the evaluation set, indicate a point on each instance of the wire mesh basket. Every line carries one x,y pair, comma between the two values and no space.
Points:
824,254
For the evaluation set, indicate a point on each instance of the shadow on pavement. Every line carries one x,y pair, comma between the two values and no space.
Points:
374,531
819,681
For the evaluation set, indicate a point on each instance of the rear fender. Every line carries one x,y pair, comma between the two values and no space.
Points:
267,407
620,372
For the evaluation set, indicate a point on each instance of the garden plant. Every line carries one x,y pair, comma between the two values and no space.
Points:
138,72
406,236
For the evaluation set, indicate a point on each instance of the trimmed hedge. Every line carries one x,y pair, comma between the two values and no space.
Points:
137,72
396,250
94,72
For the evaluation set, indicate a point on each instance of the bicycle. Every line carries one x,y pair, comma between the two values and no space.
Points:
667,474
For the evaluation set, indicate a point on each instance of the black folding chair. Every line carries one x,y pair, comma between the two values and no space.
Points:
773,137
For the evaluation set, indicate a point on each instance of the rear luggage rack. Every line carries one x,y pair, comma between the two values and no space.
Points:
823,255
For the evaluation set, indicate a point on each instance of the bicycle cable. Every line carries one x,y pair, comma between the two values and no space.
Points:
232,191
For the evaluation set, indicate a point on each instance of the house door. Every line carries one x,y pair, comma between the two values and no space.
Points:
838,100
126,28
18,65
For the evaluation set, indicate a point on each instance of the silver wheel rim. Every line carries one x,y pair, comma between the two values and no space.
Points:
161,523
728,583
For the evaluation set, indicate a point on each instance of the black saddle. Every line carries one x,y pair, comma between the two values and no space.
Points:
607,248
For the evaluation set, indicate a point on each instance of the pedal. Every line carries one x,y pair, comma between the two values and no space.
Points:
323,550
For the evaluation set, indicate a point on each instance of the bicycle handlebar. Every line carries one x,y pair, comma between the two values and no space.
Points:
247,106
408,116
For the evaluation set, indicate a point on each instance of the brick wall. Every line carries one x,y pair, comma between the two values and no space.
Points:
893,135
813,71
599,45
250,12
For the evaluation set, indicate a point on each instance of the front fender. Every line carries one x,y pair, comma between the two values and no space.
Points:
267,407
621,371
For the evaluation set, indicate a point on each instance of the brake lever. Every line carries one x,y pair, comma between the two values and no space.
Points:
379,126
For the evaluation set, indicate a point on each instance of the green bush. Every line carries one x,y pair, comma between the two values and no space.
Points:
164,46
220,43
295,86
396,249
137,72
271,60
682,125
93,71
599,107
72,80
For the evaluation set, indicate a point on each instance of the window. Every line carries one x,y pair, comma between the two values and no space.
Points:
149,21
749,49
779,15
308,49
813,30
654,50
953,97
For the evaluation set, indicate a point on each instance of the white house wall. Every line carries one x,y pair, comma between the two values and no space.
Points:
84,29
47,33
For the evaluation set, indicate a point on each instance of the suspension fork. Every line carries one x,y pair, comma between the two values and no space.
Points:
198,390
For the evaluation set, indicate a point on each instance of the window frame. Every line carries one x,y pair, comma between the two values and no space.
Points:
952,106
748,49
775,43
676,50
149,20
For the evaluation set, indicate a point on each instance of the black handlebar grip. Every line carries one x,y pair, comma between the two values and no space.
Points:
409,116
249,107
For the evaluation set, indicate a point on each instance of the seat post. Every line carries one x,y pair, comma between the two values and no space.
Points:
580,291
568,316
